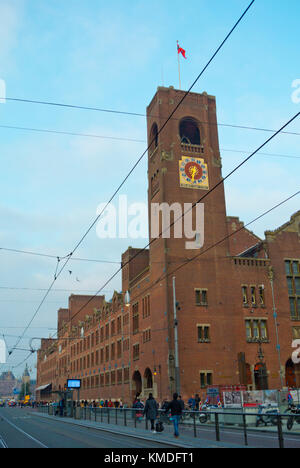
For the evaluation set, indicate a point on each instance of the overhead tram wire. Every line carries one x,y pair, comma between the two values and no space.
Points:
163,277
139,159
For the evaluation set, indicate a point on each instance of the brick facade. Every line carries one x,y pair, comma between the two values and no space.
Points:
225,302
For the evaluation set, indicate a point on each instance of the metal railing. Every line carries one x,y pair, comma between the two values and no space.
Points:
190,423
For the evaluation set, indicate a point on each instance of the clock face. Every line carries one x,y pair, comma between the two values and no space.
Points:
193,173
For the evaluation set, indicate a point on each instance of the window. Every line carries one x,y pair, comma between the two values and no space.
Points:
203,333
153,137
245,295
135,318
296,333
201,297
113,351
119,376
107,331
136,352
261,292
119,349
119,325
256,329
146,306
113,328
189,131
107,353
253,296
147,336
292,269
206,378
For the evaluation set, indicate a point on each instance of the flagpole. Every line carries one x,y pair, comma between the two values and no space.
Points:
179,66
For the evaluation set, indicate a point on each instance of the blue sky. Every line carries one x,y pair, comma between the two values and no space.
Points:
114,55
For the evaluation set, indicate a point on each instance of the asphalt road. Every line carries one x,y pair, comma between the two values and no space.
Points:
20,429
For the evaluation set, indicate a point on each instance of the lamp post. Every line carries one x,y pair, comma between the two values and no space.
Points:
271,278
177,374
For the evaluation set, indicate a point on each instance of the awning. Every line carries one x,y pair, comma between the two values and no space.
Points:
43,387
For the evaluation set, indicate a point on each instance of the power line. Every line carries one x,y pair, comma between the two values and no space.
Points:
58,132
139,159
39,254
261,154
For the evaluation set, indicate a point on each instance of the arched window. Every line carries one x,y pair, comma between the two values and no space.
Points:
153,137
189,131
148,378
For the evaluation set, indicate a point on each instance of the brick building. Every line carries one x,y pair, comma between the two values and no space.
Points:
233,300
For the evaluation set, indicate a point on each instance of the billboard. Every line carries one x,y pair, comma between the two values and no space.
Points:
74,383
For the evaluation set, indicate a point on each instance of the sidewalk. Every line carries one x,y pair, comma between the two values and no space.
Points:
184,440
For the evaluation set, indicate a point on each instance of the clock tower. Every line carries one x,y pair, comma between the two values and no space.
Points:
184,164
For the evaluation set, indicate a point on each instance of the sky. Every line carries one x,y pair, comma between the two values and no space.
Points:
113,55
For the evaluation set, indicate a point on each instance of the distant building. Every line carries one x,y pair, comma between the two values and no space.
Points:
227,315
8,383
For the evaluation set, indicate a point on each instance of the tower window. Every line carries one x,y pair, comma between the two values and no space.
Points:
153,137
189,131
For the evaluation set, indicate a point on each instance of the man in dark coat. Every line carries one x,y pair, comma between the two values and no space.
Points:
151,411
176,413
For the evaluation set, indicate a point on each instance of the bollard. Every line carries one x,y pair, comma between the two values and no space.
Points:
108,415
116,410
217,427
245,430
125,421
280,434
194,423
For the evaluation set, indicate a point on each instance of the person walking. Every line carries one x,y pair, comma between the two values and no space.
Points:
197,402
151,411
176,412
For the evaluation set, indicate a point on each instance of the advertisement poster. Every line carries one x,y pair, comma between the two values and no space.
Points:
232,399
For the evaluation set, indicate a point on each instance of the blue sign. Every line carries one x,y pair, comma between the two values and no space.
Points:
16,391
76,383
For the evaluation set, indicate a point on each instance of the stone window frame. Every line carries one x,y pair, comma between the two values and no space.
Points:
203,326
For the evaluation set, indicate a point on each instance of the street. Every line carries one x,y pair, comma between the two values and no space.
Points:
22,429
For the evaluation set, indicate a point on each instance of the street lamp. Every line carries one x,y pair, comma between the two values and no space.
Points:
271,278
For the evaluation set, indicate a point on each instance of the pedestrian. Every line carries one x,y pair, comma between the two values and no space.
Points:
181,402
197,402
151,411
138,406
61,407
176,412
191,403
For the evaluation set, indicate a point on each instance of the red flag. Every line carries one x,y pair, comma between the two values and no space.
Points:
181,50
